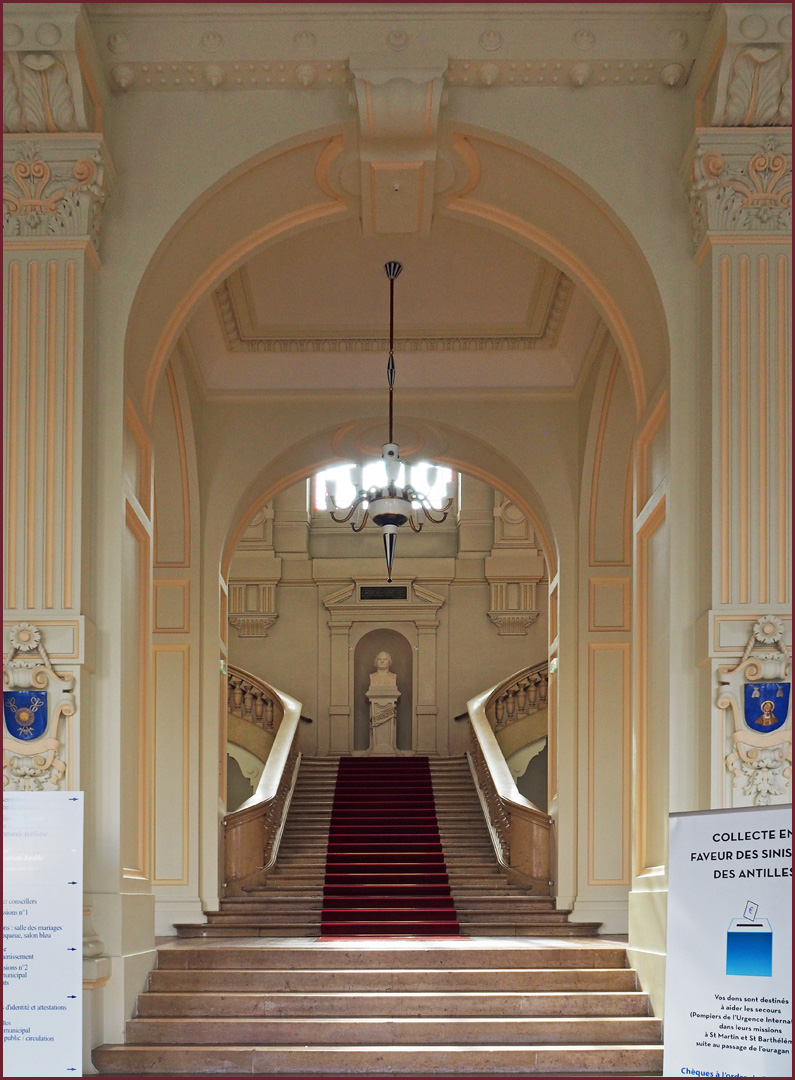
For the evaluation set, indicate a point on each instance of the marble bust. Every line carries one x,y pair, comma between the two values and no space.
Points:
383,678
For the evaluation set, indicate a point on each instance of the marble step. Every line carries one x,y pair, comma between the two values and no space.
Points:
278,927
356,980
376,1061
511,926
368,1031
385,957
494,1004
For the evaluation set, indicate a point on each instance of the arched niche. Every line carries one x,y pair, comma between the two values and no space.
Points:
401,653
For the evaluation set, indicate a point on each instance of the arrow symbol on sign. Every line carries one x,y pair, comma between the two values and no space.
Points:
73,800
71,883
71,995
71,950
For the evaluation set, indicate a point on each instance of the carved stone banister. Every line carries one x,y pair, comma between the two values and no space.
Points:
520,832
252,700
519,696
252,832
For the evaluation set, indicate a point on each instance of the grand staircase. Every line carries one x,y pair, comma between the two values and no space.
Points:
520,993
291,901
402,1008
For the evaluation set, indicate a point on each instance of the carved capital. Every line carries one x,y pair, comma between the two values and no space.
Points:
55,189
739,182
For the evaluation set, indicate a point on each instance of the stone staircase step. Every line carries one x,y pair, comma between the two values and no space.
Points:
395,980
416,1004
369,1031
372,1061
383,956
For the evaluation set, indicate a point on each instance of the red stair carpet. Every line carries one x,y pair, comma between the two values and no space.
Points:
385,870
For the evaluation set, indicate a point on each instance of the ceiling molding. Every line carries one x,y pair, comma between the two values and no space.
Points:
547,309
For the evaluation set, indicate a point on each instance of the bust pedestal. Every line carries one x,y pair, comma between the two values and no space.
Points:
383,719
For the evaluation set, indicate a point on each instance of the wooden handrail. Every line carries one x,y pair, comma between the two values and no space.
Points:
253,831
520,832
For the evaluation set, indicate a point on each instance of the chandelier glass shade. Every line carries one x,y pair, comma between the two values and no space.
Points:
393,504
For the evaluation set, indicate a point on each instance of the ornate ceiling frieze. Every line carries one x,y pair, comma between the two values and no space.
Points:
328,74
224,47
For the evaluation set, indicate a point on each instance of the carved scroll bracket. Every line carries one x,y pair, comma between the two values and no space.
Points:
50,70
751,60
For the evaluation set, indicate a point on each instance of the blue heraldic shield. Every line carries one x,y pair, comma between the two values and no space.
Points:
25,714
766,705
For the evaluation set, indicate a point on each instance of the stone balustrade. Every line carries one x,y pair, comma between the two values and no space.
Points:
252,700
520,832
253,831
524,693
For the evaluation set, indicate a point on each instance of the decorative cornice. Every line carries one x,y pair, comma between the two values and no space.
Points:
251,74
739,182
58,195
485,44
238,340
331,74
567,71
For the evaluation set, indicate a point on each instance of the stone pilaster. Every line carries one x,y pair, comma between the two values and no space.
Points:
56,176
738,176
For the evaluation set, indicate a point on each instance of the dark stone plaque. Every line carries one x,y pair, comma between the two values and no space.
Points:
383,592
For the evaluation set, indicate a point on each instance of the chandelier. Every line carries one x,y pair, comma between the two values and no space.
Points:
392,505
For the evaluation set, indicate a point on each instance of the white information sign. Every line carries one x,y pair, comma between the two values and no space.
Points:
42,933
728,989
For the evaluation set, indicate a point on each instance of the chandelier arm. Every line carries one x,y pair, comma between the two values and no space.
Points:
358,528
416,526
351,511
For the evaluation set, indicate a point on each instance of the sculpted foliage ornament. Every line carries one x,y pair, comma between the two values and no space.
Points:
760,88
37,94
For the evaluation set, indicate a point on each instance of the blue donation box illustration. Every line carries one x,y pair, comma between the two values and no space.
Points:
749,944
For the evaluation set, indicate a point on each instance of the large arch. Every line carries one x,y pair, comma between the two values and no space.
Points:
521,192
